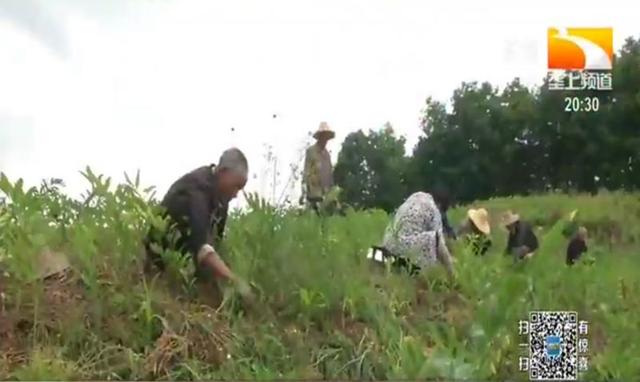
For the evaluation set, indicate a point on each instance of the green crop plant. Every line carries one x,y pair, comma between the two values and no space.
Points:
322,309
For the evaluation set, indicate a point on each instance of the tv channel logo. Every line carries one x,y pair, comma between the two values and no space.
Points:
580,48
553,347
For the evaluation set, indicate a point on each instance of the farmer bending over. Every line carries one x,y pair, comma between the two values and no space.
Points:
577,246
476,230
197,205
415,237
522,240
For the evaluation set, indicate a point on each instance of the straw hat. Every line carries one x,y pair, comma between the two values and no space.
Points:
510,218
572,216
480,218
49,263
324,129
582,232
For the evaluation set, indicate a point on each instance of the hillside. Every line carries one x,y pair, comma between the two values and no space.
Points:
322,310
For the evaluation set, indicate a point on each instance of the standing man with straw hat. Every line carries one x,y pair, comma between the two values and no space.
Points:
317,178
477,230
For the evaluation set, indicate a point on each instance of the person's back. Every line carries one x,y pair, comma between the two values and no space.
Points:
418,204
200,184
416,233
195,189
522,240
524,235
577,246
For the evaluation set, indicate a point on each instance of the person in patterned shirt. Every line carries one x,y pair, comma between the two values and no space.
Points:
416,233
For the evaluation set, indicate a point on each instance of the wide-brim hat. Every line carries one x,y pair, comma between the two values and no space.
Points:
480,218
324,129
510,218
49,263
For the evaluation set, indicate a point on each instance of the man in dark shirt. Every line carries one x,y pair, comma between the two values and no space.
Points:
443,200
449,231
197,206
577,246
522,240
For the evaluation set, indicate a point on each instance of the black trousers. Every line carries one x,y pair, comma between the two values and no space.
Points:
397,262
315,203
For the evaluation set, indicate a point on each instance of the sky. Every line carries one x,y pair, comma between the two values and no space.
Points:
165,86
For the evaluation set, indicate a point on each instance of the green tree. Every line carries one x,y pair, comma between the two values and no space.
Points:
371,169
460,150
623,120
520,140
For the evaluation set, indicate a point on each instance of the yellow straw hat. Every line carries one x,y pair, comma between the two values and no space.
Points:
324,129
480,218
510,218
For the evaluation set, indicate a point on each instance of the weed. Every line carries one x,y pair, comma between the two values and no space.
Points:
322,310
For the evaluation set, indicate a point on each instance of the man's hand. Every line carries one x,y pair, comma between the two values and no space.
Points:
243,287
522,252
209,259
244,290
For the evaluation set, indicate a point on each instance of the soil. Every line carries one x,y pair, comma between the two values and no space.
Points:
61,295
12,346
597,340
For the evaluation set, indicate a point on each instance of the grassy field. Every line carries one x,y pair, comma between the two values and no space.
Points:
322,310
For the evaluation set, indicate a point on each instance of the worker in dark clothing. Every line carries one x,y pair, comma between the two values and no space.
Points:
197,206
577,246
443,200
449,231
522,240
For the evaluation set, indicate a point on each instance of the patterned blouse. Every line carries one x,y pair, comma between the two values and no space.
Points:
416,232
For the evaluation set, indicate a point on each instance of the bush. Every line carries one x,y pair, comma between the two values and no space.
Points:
323,311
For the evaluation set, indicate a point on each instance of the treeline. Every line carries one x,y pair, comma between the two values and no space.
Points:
499,142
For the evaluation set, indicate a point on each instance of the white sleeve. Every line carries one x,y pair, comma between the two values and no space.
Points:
205,251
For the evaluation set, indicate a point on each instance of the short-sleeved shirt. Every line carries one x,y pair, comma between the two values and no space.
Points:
196,210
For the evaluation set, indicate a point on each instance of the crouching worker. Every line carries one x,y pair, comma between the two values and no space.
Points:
522,240
415,239
577,246
476,230
197,206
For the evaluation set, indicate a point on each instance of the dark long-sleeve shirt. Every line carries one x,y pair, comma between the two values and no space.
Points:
448,230
197,212
576,248
523,235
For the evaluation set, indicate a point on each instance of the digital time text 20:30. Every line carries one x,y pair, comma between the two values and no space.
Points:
586,104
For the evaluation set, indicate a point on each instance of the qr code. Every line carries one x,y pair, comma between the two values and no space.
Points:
553,341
